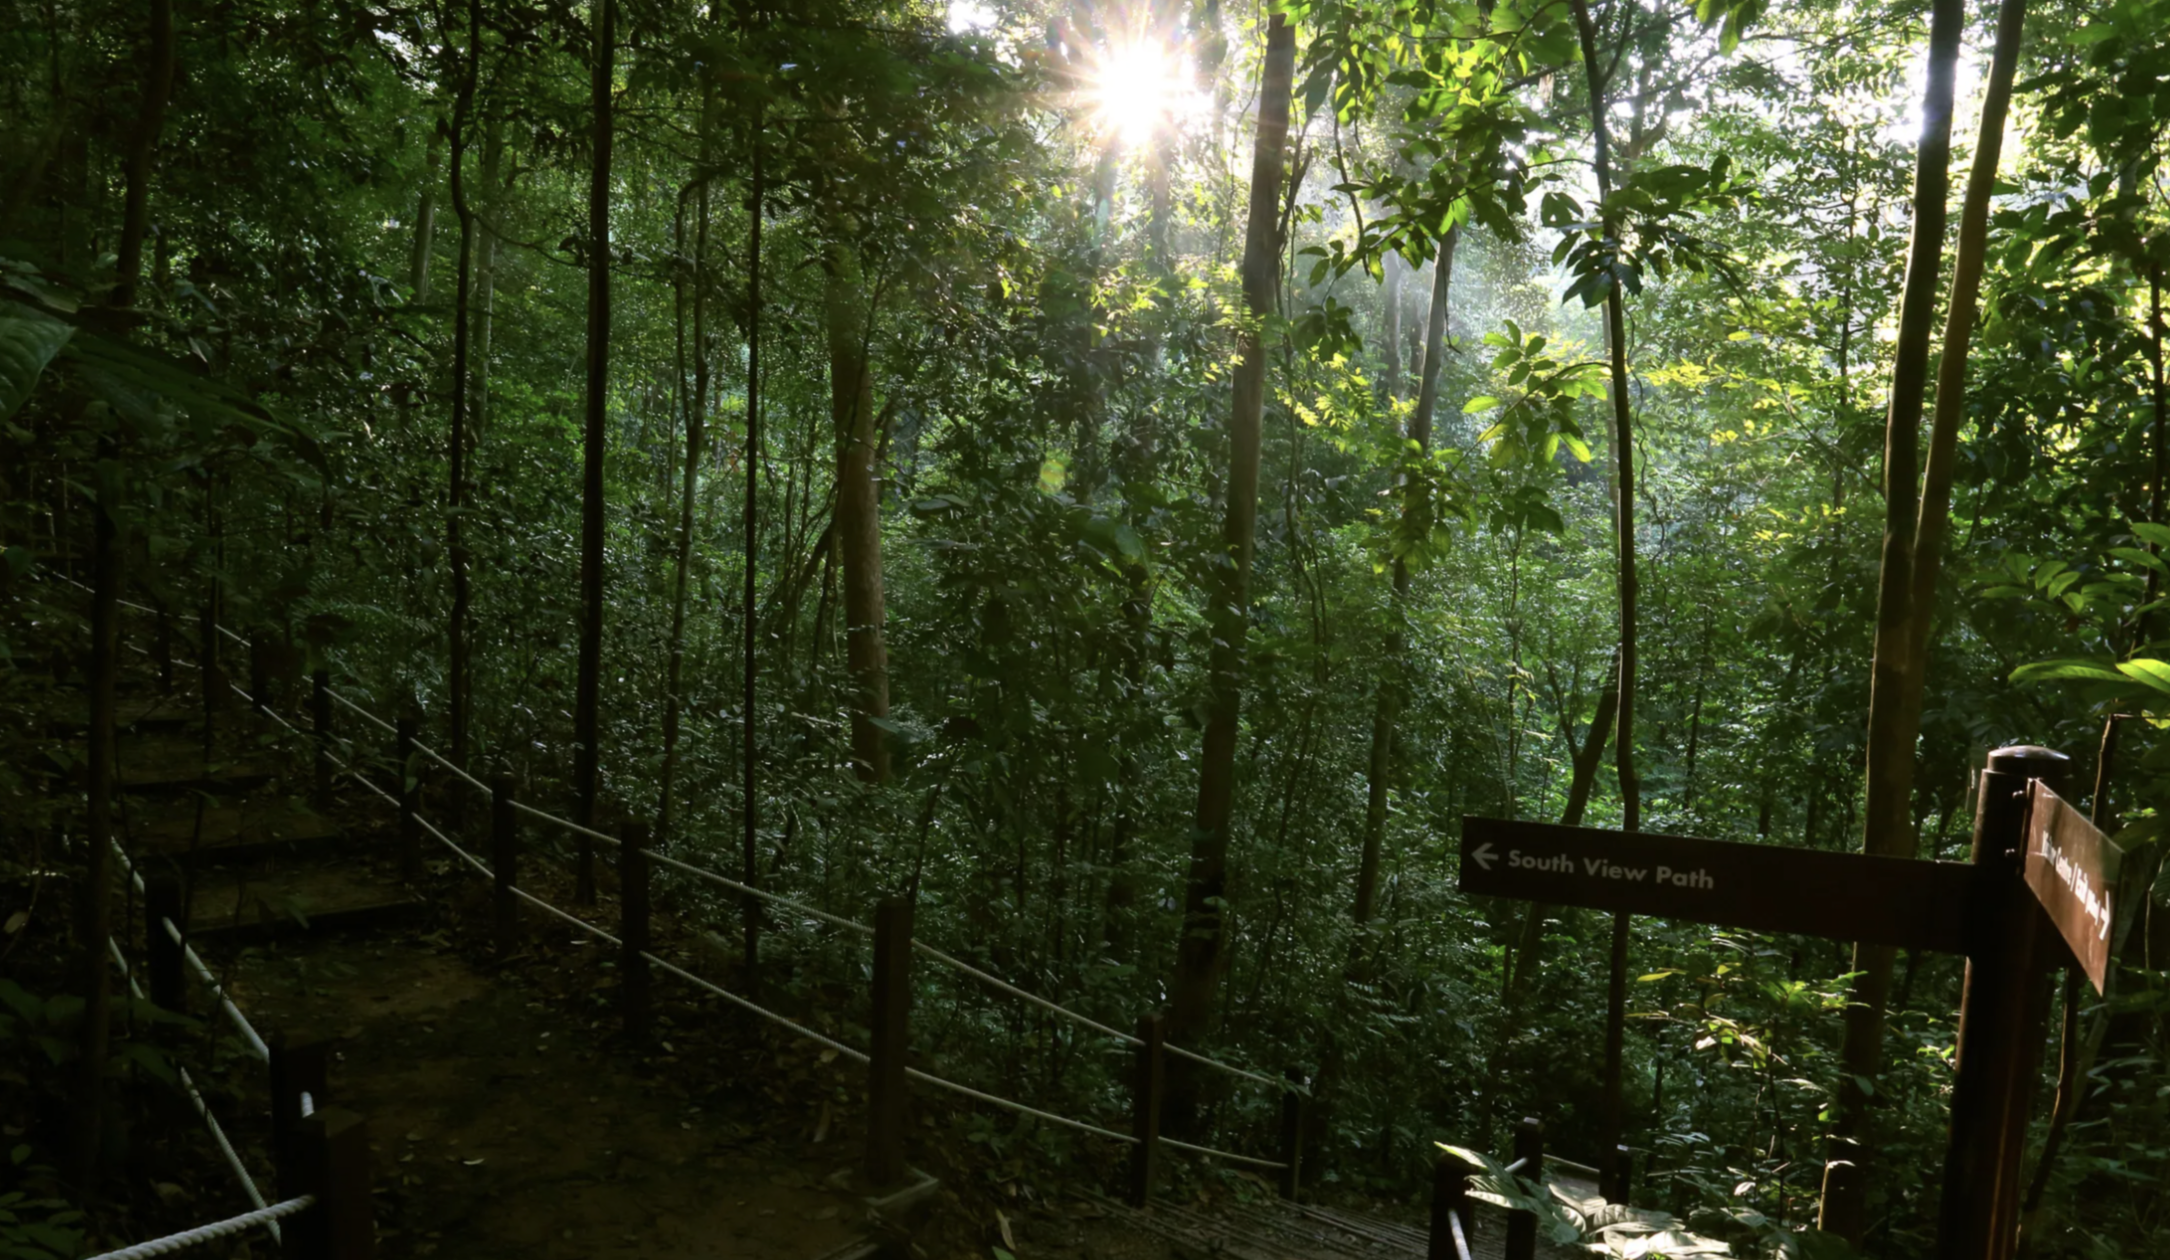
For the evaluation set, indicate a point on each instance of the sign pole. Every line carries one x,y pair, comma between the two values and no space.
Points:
1999,1019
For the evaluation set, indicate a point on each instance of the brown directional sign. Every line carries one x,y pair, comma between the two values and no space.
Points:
1844,896
2072,869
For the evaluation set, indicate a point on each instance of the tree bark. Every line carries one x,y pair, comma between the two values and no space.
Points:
749,862
587,699
1887,823
1198,953
484,298
1390,327
150,119
456,500
858,512
425,222
94,904
1387,707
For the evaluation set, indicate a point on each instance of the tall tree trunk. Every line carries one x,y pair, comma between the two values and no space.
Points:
858,511
456,501
94,905
749,862
1198,954
1584,762
484,298
1623,457
587,699
695,415
1387,706
1887,827
1390,327
425,221
150,118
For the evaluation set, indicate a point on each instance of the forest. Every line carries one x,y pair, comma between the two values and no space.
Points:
1131,477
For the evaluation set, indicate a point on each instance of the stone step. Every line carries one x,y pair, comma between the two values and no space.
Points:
173,764
231,830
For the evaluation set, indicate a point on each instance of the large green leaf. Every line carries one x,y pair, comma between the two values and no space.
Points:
2154,673
2045,671
28,342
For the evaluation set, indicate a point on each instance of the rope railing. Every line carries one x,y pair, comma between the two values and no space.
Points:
543,816
210,1233
195,961
195,1096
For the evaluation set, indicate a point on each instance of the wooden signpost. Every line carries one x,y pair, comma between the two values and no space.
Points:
1982,909
2072,870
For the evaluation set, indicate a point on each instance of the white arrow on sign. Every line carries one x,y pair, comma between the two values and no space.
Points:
1484,856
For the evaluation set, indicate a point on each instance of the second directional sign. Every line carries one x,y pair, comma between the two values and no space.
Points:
1844,896
2072,869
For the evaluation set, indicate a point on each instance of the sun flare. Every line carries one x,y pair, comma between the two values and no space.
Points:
1139,88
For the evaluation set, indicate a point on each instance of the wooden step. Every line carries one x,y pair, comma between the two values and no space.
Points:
232,830
254,905
143,712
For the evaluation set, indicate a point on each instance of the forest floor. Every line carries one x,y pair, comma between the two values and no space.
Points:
509,1113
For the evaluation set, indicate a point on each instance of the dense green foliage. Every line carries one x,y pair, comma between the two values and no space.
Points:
1053,305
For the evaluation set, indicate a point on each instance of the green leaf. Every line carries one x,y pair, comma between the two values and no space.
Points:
2150,532
28,342
2155,674
1482,402
2145,559
2045,671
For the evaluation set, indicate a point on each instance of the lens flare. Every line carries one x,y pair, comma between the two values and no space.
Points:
1137,89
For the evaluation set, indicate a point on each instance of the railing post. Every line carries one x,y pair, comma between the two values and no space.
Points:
207,664
259,673
1614,1186
633,872
1294,1106
410,794
1529,1145
297,1071
169,982
2000,1017
333,1164
320,714
886,1085
162,650
504,864
1149,1080
1450,1200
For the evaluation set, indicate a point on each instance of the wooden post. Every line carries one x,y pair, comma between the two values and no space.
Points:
1294,1105
297,1069
504,864
410,796
1614,1188
885,1068
332,1163
1529,1145
207,665
169,981
162,650
1450,1199
320,714
633,872
1148,1082
2000,1017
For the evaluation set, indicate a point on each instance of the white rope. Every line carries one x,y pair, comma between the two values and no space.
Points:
701,872
209,1233
203,1109
363,713
856,1056
203,973
1461,1241
229,634
578,922
567,823
1232,1070
1516,1166
1018,1107
1229,1156
1014,991
435,756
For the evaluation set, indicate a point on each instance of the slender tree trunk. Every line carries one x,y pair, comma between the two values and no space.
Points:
94,906
587,700
455,535
150,118
1198,954
749,862
425,222
696,418
1387,707
858,512
484,298
1887,821
1584,763
1623,454
1390,327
